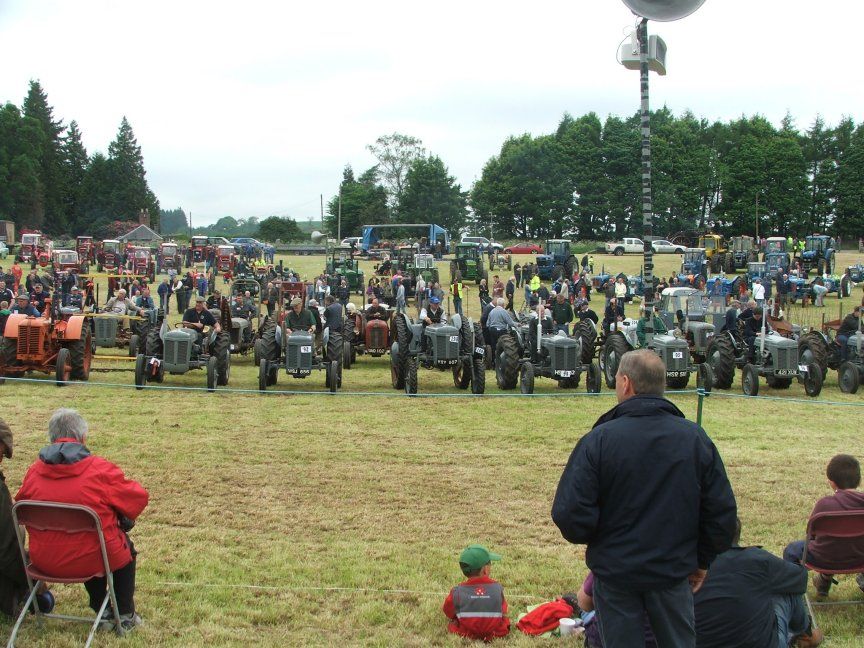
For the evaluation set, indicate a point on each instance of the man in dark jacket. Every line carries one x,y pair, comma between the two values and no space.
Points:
647,491
13,581
753,599
334,314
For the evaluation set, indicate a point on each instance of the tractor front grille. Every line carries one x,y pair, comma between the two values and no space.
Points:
564,358
105,330
377,338
29,339
784,359
293,355
176,352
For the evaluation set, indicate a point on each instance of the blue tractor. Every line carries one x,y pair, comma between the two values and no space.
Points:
694,267
818,254
558,261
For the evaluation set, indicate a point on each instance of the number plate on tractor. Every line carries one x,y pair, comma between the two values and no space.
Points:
480,350
786,372
305,349
803,368
676,374
565,373
454,338
677,355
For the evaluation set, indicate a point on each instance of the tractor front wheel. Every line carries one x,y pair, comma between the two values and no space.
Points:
211,373
813,381
63,368
526,378
705,377
462,373
614,348
720,356
848,378
478,377
133,346
750,380
593,379
411,375
506,362
140,371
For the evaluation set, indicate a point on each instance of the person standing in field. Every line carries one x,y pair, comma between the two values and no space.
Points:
647,491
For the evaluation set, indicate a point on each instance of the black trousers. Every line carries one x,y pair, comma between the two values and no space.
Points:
124,586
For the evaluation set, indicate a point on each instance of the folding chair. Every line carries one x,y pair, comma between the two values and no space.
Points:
71,519
834,524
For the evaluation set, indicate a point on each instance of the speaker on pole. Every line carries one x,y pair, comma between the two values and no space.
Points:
663,10
317,237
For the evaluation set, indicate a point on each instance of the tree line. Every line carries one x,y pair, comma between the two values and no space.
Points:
49,182
583,181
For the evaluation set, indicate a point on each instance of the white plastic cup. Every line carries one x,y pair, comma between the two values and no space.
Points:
567,626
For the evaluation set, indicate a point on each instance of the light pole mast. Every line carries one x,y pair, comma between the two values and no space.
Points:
647,203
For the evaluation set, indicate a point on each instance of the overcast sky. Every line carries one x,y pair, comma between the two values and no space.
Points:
253,109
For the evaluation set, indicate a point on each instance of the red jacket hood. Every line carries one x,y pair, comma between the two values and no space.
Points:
62,459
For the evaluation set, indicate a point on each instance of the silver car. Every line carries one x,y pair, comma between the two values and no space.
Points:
662,246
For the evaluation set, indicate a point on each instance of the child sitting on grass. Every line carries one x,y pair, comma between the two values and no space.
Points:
844,476
476,607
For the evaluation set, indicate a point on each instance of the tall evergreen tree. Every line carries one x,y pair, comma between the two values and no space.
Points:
130,194
21,189
50,158
431,195
75,163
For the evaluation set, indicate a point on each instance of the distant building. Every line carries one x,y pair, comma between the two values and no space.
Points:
141,234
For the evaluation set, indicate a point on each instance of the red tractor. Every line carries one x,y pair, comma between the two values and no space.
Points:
225,258
47,344
143,264
65,261
110,257
199,248
86,249
35,248
367,333
168,257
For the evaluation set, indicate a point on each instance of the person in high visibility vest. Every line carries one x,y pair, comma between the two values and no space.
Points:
476,607
456,292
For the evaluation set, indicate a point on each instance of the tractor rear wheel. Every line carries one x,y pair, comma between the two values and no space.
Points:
613,349
478,377
153,344
557,272
462,373
506,362
140,371
585,331
222,351
813,381
720,356
330,379
848,378
410,375
526,378
812,348
266,346
399,360
63,368
211,374
593,379
81,351
750,380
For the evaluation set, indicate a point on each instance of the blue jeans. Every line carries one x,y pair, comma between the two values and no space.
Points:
457,304
562,327
621,611
843,341
793,619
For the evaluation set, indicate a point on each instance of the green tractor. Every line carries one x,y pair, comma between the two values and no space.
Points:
341,262
469,263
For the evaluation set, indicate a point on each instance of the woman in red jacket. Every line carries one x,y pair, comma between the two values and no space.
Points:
67,472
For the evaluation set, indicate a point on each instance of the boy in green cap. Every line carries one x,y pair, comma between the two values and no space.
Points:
476,607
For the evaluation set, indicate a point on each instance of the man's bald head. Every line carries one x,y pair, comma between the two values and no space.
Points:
643,373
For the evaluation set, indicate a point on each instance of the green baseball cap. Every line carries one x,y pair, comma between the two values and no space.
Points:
475,556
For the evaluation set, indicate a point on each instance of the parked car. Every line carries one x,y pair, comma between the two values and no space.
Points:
352,241
627,246
524,248
663,246
482,240
243,240
4,251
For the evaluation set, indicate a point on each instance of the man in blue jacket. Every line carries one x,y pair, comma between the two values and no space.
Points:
647,491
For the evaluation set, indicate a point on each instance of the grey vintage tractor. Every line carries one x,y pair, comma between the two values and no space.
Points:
108,331
777,359
526,352
179,350
673,350
298,355
456,346
823,349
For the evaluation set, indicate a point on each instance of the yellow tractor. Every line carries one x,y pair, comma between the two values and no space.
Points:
719,256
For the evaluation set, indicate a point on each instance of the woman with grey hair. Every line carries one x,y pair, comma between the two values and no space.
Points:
67,472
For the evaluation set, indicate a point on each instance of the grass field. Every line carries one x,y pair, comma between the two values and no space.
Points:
318,520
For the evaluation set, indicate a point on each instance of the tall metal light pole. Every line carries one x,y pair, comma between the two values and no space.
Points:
664,11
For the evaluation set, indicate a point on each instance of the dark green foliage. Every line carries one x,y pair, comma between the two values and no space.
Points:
432,196
21,188
50,158
279,228
173,221
363,202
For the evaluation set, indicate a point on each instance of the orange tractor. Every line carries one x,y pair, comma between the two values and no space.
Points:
58,344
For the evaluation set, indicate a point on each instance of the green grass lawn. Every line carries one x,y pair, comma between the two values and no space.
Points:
321,520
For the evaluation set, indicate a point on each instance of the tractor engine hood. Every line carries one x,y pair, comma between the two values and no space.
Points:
544,259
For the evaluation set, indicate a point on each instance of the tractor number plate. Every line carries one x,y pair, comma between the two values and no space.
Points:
448,363
565,373
378,351
454,338
803,368
305,349
480,350
678,355
786,372
676,374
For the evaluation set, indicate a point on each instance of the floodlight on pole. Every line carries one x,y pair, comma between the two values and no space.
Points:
663,11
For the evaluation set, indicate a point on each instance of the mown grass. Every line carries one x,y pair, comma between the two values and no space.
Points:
279,520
